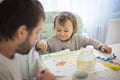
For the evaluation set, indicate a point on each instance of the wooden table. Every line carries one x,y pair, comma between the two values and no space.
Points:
107,74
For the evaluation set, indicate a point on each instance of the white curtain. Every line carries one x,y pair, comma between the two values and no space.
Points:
94,13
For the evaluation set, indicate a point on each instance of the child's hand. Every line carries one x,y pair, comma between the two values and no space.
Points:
106,49
42,45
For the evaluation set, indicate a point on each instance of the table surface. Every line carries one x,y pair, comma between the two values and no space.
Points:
100,74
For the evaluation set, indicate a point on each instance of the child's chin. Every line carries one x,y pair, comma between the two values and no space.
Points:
64,39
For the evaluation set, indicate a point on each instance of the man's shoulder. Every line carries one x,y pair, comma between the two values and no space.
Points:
3,69
3,64
5,74
2,60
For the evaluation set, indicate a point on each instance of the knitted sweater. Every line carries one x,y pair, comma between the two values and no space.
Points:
74,43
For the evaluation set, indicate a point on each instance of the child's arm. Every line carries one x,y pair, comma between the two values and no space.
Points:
105,48
41,45
98,45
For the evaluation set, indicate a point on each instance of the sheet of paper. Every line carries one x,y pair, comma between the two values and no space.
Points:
70,63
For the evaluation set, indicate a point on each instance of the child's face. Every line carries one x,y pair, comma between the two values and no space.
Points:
64,32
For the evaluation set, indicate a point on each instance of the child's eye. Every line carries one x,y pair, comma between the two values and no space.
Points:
58,30
66,31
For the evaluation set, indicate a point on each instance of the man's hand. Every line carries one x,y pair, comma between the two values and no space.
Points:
45,75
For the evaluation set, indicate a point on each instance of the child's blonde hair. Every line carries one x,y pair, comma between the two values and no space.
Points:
63,17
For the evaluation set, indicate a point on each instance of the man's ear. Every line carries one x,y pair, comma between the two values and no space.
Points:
21,31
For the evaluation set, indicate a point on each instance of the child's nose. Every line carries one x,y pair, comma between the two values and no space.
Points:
62,33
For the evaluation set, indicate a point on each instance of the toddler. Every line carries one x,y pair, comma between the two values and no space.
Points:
65,25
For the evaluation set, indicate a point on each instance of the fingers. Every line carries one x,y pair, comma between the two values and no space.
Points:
45,75
49,75
109,50
102,49
42,45
40,75
106,49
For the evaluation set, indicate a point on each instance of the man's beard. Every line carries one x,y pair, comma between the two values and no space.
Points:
24,47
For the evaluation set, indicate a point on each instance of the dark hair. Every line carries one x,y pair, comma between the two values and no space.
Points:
63,17
14,13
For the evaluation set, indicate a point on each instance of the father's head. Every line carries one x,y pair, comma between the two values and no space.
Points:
20,22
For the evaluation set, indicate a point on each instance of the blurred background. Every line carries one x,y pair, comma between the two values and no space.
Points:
95,14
